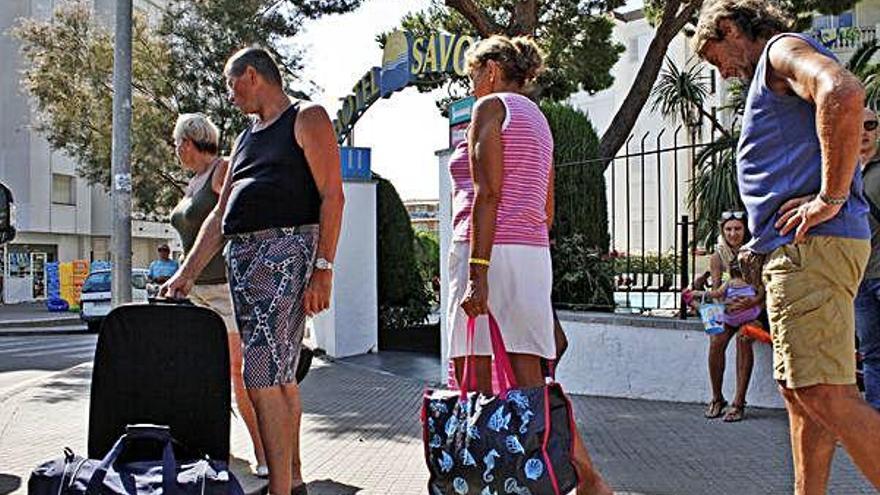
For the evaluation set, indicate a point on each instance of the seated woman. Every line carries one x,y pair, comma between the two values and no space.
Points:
743,305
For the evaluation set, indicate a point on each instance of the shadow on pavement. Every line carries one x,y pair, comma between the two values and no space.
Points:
241,468
71,386
330,487
10,483
350,401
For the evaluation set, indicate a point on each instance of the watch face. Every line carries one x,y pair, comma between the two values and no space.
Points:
322,264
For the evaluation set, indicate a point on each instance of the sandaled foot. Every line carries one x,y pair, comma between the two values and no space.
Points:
715,408
736,412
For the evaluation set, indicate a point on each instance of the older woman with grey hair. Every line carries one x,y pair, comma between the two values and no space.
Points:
196,141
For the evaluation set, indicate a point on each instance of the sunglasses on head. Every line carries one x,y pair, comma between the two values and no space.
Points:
870,125
727,215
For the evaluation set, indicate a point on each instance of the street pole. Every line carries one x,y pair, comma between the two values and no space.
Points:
120,238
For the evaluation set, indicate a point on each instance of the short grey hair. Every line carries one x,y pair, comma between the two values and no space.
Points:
758,19
258,58
199,129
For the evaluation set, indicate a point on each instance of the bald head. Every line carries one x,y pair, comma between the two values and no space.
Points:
257,58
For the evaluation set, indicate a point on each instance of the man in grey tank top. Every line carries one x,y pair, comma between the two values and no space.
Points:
797,175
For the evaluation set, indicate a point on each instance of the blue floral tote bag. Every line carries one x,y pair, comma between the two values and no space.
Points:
517,441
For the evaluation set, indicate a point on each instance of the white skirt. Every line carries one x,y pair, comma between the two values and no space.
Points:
520,284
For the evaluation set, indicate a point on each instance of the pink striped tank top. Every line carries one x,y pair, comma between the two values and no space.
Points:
528,158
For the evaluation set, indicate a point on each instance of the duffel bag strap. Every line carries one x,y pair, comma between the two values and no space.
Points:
133,433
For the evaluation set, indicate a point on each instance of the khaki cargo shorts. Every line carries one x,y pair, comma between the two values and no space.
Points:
810,291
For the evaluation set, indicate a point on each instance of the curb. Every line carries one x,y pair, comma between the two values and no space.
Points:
40,322
38,331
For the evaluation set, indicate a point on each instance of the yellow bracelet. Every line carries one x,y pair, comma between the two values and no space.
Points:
478,261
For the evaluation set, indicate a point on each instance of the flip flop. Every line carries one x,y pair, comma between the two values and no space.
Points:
735,413
715,409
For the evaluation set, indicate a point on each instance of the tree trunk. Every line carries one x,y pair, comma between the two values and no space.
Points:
625,118
475,14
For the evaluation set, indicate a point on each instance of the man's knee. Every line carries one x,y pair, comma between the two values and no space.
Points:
826,402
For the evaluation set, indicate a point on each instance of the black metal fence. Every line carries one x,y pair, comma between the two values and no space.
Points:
652,256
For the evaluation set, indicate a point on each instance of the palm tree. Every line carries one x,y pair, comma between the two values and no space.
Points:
869,73
680,95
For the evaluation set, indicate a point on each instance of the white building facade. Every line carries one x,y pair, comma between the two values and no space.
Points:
648,225
59,216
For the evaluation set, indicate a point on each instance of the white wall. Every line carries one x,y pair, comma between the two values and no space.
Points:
350,327
608,358
444,216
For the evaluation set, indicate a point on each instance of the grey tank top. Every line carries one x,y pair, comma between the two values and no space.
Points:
187,218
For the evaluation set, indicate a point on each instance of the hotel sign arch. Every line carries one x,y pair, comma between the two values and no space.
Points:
405,59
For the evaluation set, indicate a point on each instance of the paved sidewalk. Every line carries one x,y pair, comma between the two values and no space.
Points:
33,317
361,436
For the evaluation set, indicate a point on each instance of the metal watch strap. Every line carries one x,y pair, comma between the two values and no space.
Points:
832,201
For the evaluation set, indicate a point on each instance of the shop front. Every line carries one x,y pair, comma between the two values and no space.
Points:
23,274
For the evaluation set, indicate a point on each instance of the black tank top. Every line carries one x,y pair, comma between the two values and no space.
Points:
272,185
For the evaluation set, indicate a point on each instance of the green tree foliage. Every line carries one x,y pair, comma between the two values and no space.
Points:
403,297
680,96
575,35
427,251
175,68
70,78
580,227
867,71
201,35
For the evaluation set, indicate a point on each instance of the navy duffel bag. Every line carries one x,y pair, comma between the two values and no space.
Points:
73,474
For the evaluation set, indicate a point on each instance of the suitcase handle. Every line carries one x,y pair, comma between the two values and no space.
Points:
159,433
170,301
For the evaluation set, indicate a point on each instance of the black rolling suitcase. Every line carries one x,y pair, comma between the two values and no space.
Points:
165,363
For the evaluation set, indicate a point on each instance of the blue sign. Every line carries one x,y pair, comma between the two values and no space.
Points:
460,111
355,163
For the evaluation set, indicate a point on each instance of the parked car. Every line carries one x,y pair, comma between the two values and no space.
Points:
95,297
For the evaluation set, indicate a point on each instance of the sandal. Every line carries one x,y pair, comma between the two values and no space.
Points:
715,409
736,412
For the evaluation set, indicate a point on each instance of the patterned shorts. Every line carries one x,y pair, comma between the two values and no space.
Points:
268,272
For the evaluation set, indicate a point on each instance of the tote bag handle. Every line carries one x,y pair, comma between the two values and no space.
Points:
503,369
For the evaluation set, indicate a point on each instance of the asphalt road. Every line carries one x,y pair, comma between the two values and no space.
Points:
24,359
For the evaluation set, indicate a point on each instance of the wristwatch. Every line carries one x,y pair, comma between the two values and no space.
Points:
323,264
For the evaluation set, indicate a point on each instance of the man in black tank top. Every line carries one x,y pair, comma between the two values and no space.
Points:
281,210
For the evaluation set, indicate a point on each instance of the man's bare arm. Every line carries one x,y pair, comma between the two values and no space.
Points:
838,96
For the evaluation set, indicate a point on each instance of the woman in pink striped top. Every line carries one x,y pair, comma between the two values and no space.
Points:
502,211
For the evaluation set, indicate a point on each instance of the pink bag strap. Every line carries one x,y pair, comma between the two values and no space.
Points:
503,369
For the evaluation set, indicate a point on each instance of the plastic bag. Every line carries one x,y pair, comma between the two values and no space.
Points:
712,315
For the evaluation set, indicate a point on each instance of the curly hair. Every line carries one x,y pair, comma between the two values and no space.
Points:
758,19
519,57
